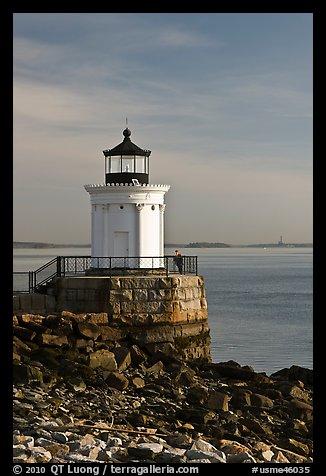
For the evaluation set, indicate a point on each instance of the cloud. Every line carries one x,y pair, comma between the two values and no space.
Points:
225,137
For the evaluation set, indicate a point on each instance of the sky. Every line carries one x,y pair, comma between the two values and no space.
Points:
223,101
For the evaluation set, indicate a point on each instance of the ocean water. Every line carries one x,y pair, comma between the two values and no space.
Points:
260,301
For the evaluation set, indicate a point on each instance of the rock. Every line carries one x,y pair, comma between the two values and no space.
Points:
145,450
26,374
59,437
44,442
24,333
87,329
232,447
256,426
41,455
52,340
204,455
179,440
182,374
27,441
21,346
267,455
76,383
58,450
137,355
20,450
290,390
240,397
117,380
203,445
295,373
300,410
156,368
279,457
289,455
197,394
294,446
122,357
240,458
103,359
138,382
84,344
195,415
261,400
217,401
234,370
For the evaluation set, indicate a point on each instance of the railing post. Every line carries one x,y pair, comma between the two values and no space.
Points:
166,264
30,281
59,266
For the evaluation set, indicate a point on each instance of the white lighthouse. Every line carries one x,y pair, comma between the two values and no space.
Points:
127,211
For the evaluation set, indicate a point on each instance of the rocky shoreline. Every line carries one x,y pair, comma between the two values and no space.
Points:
126,403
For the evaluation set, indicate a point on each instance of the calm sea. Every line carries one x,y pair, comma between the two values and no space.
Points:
259,301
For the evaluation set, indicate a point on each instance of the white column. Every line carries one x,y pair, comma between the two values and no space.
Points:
139,207
93,230
162,209
106,230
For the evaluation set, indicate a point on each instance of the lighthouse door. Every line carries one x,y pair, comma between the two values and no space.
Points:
121,243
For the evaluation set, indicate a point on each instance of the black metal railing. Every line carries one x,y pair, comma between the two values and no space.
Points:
61,266
78,265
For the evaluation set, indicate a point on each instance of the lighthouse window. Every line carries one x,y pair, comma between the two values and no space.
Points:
127,164
140,165
121,207
115,165
153,207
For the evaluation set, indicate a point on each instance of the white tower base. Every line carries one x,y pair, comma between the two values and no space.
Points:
128,221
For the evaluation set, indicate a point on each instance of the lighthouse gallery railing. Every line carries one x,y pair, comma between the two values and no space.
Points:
62,266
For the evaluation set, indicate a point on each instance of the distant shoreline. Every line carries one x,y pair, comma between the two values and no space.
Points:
38,245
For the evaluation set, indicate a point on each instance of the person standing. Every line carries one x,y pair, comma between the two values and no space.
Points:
178,260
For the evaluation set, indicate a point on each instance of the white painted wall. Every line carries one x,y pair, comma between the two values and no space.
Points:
137,211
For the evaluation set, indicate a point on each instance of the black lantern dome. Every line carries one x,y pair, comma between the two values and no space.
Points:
126,162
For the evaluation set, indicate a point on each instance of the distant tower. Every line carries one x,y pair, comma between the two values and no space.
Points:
127,211
280,243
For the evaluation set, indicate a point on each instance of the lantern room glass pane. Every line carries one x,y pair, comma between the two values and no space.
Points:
140,165
115,165
128,163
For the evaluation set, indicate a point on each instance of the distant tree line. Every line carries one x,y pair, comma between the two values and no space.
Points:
205,244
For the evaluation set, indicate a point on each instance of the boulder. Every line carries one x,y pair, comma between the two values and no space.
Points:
291,390
89,330
122,356
197,394
294,446
145,450
300,410
52,340
217,401
103,359
24,333
26,374
212,457
259,400
117,380
234,370
137,355
295,373
240,398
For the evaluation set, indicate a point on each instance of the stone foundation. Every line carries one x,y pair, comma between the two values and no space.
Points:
157,313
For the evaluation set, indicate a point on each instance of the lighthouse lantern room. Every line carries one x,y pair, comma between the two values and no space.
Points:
127,211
